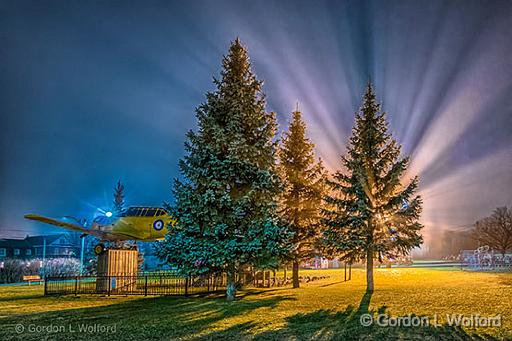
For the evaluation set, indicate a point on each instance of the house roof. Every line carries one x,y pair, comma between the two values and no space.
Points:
35,241
13,243
39,240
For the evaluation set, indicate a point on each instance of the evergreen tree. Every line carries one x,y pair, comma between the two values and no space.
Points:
371,215
226,204
118,197
304,184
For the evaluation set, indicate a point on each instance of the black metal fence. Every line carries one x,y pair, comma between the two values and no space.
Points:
164,283
160,283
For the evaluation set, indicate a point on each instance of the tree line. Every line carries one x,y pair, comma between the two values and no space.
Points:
247,198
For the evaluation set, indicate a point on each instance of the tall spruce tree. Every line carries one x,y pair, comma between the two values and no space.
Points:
371,215
304,184
226,204
118,197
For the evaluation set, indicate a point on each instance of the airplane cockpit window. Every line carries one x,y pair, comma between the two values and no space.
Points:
130,212
143,212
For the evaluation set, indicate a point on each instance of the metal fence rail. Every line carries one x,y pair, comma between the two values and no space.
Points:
164,283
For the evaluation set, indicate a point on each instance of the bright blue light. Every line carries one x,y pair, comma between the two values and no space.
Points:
108,214
405,205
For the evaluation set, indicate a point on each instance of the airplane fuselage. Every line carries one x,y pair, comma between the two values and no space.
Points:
134,223
135,228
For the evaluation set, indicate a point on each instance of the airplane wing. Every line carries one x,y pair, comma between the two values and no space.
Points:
70,226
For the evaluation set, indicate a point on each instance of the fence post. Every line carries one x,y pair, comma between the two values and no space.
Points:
186,286
76,284
108,288
45,285
146,286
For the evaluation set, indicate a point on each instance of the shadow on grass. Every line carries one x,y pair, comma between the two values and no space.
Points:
18,298
345,325
140,319
257,292
331,284
175,318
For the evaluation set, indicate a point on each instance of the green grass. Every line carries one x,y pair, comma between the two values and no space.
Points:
324,309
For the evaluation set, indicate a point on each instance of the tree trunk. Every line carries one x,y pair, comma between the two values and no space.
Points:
295,274
369,270
231,286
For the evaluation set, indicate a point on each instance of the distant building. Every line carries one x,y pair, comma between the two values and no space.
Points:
57,245
67,245
320,263
15,248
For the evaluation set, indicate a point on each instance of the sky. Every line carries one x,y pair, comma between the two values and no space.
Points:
95,92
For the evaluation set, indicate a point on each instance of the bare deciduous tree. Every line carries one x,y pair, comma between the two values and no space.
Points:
495,230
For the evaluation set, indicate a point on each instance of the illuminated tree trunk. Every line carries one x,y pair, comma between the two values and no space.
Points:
295,274
230,286
369,270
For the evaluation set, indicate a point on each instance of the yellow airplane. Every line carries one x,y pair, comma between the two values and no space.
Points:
135,223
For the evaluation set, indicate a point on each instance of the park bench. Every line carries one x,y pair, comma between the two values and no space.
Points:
32,278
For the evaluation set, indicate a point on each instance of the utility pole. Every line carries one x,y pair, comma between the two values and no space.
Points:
44,255
82,239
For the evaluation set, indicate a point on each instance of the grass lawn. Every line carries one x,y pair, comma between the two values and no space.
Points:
324,309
